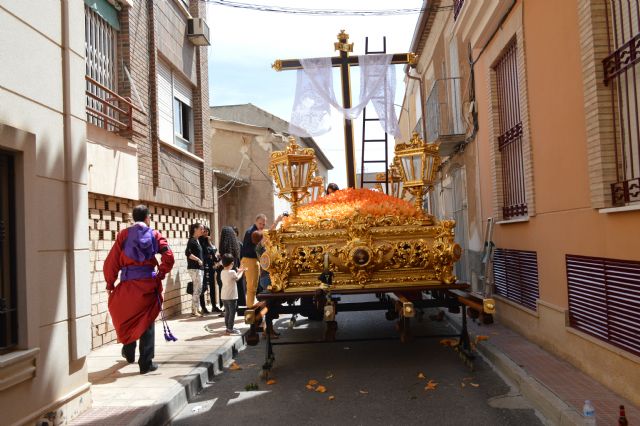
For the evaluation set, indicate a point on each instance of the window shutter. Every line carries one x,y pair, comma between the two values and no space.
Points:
182,90
165,103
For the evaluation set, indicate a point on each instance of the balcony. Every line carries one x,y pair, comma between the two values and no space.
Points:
445,124
110,111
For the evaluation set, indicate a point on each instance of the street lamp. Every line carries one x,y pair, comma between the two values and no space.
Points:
291,170
419,162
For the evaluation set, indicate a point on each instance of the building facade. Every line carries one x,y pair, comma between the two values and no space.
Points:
240,161
242,181
45,300
547,142
147,111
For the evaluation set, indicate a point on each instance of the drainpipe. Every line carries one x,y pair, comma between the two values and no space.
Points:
76,350
504,18
422,101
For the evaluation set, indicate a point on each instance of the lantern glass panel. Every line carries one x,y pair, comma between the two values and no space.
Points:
417,166
304,172
294,175
428,168
282,182
406,165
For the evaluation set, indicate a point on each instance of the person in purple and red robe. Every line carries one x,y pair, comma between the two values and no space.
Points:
136,301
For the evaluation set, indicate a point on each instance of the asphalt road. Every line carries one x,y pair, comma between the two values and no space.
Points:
375,382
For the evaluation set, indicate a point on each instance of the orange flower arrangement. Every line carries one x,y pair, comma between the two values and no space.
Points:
348,202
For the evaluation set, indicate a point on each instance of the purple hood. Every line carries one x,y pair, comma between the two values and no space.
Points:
141,244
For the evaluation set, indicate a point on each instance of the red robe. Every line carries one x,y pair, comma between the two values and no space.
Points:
134,304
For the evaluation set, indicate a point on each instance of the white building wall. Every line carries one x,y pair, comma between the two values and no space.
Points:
42,121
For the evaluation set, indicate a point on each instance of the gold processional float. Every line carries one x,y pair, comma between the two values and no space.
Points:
359,241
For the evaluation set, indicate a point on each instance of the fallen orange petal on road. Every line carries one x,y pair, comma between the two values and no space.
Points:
431,385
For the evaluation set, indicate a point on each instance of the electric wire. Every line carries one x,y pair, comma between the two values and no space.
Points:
326,12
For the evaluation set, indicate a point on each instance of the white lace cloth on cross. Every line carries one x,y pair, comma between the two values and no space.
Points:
311,115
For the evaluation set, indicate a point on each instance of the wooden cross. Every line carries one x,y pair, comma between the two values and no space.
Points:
344,61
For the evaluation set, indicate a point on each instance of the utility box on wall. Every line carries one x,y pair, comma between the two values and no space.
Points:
198,31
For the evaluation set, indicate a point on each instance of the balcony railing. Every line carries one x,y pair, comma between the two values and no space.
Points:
108,110
444,113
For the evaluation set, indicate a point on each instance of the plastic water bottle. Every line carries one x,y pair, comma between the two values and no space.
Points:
589,413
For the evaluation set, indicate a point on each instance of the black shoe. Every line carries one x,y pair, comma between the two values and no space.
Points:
131,359
221,315
216,309
205,311
152,367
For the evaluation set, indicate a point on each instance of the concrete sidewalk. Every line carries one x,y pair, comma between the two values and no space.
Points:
556,388
122,396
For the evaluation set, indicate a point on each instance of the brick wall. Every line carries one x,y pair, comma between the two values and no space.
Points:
148,29
108,215
171,35
594,47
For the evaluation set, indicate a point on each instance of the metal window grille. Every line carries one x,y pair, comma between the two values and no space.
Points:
516,276
8,285
101,67
514,203
457,7
604,299
622,74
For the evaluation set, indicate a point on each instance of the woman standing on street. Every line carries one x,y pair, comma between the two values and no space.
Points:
229,245
209,251
195,264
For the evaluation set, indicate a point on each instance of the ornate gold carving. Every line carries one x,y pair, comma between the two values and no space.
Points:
342,45
277,65
364,252
343,36
412,58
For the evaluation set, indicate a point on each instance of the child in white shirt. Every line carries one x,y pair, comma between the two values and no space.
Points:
229,292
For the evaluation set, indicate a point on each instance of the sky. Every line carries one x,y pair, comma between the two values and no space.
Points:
245,43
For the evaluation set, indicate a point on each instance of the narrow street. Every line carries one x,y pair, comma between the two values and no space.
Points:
374,382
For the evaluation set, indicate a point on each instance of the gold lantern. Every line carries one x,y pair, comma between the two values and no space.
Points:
419,163
316,188
395,179
380,179
292,170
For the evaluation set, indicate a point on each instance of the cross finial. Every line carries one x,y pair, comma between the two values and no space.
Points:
342,44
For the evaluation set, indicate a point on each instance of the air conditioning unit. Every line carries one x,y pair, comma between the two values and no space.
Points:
198,31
